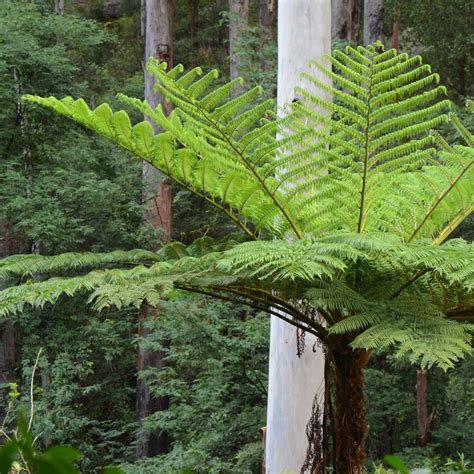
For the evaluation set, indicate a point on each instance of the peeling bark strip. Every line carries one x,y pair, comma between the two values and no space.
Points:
157,35
373,21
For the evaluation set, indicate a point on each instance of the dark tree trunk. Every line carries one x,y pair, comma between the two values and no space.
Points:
373,21
350,428
267,19
267,22
425,422
422,404
157,35
7,337
7,362
345,19
150,442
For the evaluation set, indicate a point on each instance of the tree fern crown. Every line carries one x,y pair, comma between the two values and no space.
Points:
349,203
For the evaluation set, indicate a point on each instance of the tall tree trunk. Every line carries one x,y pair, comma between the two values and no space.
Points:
7,335
267,18
7,362
345,19
396,30
238,21
157,34
425,422
59,7
350,428
373,21
304,33
267,22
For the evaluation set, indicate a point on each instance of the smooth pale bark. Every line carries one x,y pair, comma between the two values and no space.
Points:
157,34
304,33
373,21
345,19
238,21
59,7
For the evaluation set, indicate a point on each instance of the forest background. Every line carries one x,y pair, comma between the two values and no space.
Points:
65,191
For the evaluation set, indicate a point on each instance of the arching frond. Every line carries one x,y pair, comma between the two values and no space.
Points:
359,194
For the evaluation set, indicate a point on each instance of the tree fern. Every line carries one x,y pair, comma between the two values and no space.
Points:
348,203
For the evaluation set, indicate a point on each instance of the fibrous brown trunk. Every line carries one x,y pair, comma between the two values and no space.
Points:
350,430
345,19
373,21
238,20
425,422
157,34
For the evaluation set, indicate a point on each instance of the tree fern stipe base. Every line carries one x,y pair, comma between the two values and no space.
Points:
350,428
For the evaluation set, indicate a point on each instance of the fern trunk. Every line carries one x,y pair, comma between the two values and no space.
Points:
350,428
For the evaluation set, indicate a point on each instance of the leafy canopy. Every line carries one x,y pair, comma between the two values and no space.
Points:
346,205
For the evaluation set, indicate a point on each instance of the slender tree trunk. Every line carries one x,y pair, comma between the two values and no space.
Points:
267,22
422,404
7,362
345,18
59,7
7,337
350,428
238,21
425,422
396,30
157,34
304,33
267,18
373,21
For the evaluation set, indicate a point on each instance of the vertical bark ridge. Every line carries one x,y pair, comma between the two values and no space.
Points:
350,430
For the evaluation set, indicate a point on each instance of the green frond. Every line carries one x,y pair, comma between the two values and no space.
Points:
22,266
354,188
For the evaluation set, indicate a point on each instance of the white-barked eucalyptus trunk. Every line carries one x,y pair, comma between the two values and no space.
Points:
304,34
